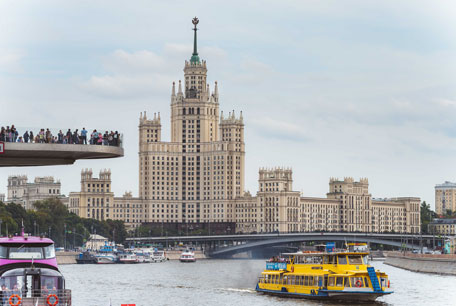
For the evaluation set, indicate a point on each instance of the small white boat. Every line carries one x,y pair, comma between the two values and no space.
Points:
140,257
106,258
158,256
128,258
187,256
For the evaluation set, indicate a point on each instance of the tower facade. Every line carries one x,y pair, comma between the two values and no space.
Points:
197,175
355,203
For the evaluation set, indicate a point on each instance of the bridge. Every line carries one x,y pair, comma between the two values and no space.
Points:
221,246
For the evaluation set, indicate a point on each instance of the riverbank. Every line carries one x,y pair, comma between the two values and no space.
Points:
427,263
69,258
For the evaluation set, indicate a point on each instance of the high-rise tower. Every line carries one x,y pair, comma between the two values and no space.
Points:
197,175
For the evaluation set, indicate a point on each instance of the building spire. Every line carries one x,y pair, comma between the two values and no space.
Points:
195,58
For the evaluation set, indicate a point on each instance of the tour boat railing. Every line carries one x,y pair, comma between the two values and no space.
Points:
36,297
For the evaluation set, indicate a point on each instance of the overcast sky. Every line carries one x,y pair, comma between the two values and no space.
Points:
329,88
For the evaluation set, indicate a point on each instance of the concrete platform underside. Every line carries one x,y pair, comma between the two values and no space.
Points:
44,154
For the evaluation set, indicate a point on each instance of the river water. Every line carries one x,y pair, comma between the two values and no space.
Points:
224,282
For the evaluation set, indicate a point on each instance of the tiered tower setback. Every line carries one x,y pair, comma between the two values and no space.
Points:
197,175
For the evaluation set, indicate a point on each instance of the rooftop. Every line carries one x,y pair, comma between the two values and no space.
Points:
443,221
447,184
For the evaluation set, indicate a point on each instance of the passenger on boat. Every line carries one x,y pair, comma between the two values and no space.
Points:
15,291
44,291
4,295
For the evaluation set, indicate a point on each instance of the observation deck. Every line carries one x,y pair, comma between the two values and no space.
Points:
16,154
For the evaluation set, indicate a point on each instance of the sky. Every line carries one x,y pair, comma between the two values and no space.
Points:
328,88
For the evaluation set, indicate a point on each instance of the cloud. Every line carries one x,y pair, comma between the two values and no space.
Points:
141,73
10,60
136,62
273,128
445,102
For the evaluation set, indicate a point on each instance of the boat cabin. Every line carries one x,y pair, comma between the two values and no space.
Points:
34,285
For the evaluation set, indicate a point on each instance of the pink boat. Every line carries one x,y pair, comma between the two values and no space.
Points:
29,273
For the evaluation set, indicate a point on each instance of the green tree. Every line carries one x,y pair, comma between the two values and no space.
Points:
426,215
52,216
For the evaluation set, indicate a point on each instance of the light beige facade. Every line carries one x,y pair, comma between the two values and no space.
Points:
445,197
198,174
20,191
348,207
97,201
443,227
396,215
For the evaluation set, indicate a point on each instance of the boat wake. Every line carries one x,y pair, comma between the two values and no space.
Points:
246,290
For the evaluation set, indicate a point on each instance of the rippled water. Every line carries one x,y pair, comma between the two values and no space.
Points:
224,282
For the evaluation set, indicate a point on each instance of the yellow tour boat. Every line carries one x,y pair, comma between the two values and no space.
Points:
336,275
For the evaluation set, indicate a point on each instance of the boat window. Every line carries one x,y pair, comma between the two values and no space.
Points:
356,282
285,280
355,260
3,252
49,282
49,251
383,282
12,283
281,279
346,283
325,259
24,252
340,282
366,283
342,259
365,259
331,281
333,260
317,280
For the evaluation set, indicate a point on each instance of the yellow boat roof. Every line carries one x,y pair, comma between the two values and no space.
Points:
324,253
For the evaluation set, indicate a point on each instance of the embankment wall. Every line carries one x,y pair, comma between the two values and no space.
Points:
435,264
66,258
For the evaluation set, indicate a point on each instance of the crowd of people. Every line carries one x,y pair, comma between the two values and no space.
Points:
16,292
11,134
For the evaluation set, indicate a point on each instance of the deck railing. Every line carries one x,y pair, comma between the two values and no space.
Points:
36,298
53,137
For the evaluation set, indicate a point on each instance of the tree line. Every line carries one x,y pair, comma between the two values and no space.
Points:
51,218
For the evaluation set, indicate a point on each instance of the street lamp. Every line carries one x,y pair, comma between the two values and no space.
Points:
1,221
34,228
64,237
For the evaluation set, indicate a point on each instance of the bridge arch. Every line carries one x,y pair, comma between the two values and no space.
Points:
229,251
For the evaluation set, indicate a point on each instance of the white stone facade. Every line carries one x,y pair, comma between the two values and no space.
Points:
20,191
